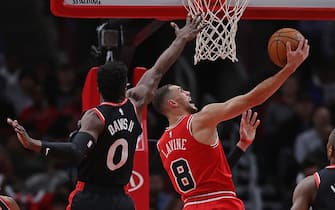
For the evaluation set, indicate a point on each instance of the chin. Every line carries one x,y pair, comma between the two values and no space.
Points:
193,109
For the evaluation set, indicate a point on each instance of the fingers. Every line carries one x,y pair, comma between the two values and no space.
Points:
301,44
307,51
188,18
175,26
12,122
202,26
193,20
249,112
15,124
305,43
17,130
306,46
243,119
302,50
288,47
251,118
244,115
257,123
197,20
9,121
254,118
20,129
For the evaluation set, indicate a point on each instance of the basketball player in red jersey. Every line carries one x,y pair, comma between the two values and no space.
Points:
105,145
318,190
190,149
8,203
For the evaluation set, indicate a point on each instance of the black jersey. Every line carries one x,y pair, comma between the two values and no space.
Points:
3,204
111,160
325,197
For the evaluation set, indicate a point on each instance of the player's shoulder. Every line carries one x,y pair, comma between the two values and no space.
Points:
308,185
89,115
88,112
309,180
92,118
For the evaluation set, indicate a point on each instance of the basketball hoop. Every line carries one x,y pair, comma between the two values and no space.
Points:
217,39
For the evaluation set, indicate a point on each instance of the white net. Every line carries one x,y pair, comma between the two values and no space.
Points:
217,39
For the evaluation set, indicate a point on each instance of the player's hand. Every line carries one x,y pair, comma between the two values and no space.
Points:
192,27
296,57
26,141
248,126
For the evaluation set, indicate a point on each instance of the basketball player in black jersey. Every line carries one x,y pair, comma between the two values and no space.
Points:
105,144
8,203
318,190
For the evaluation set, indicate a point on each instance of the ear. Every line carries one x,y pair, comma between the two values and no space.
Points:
172,103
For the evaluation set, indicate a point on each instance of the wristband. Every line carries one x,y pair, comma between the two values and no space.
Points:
234,156
246,141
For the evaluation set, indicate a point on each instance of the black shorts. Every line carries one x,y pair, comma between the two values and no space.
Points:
88,197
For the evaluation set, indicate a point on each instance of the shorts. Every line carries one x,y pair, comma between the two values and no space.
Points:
88,197
232,203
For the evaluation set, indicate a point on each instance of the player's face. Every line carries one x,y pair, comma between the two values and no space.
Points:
183,99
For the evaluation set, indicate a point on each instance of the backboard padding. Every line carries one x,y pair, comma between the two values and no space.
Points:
174,9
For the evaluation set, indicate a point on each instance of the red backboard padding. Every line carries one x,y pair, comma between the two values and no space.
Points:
58,8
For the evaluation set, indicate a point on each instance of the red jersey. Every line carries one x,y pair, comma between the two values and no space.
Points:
198,172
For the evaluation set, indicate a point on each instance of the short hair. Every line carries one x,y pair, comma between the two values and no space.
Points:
112,81
159,98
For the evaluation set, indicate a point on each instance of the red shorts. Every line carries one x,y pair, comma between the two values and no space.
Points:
231,203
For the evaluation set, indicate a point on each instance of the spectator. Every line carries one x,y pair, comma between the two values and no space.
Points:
40,115
159,199
315,138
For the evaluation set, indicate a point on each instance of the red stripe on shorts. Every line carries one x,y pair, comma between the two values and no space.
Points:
79,187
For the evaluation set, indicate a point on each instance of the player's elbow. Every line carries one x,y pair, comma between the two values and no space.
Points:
77,154
81,146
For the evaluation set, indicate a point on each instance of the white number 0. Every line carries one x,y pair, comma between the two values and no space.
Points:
111,153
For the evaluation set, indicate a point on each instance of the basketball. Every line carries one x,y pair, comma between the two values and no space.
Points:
277,44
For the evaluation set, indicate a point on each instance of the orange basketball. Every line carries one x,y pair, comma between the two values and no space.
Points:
277,44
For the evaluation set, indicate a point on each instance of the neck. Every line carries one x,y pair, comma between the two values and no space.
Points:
173,120
114,101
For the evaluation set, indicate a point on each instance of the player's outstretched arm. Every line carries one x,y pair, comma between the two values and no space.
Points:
304,194
143,92
248,127
215,113
76,150
26,141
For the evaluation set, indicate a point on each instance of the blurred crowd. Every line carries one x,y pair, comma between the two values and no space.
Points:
43,64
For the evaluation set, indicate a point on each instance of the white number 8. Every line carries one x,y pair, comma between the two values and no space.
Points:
111,153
